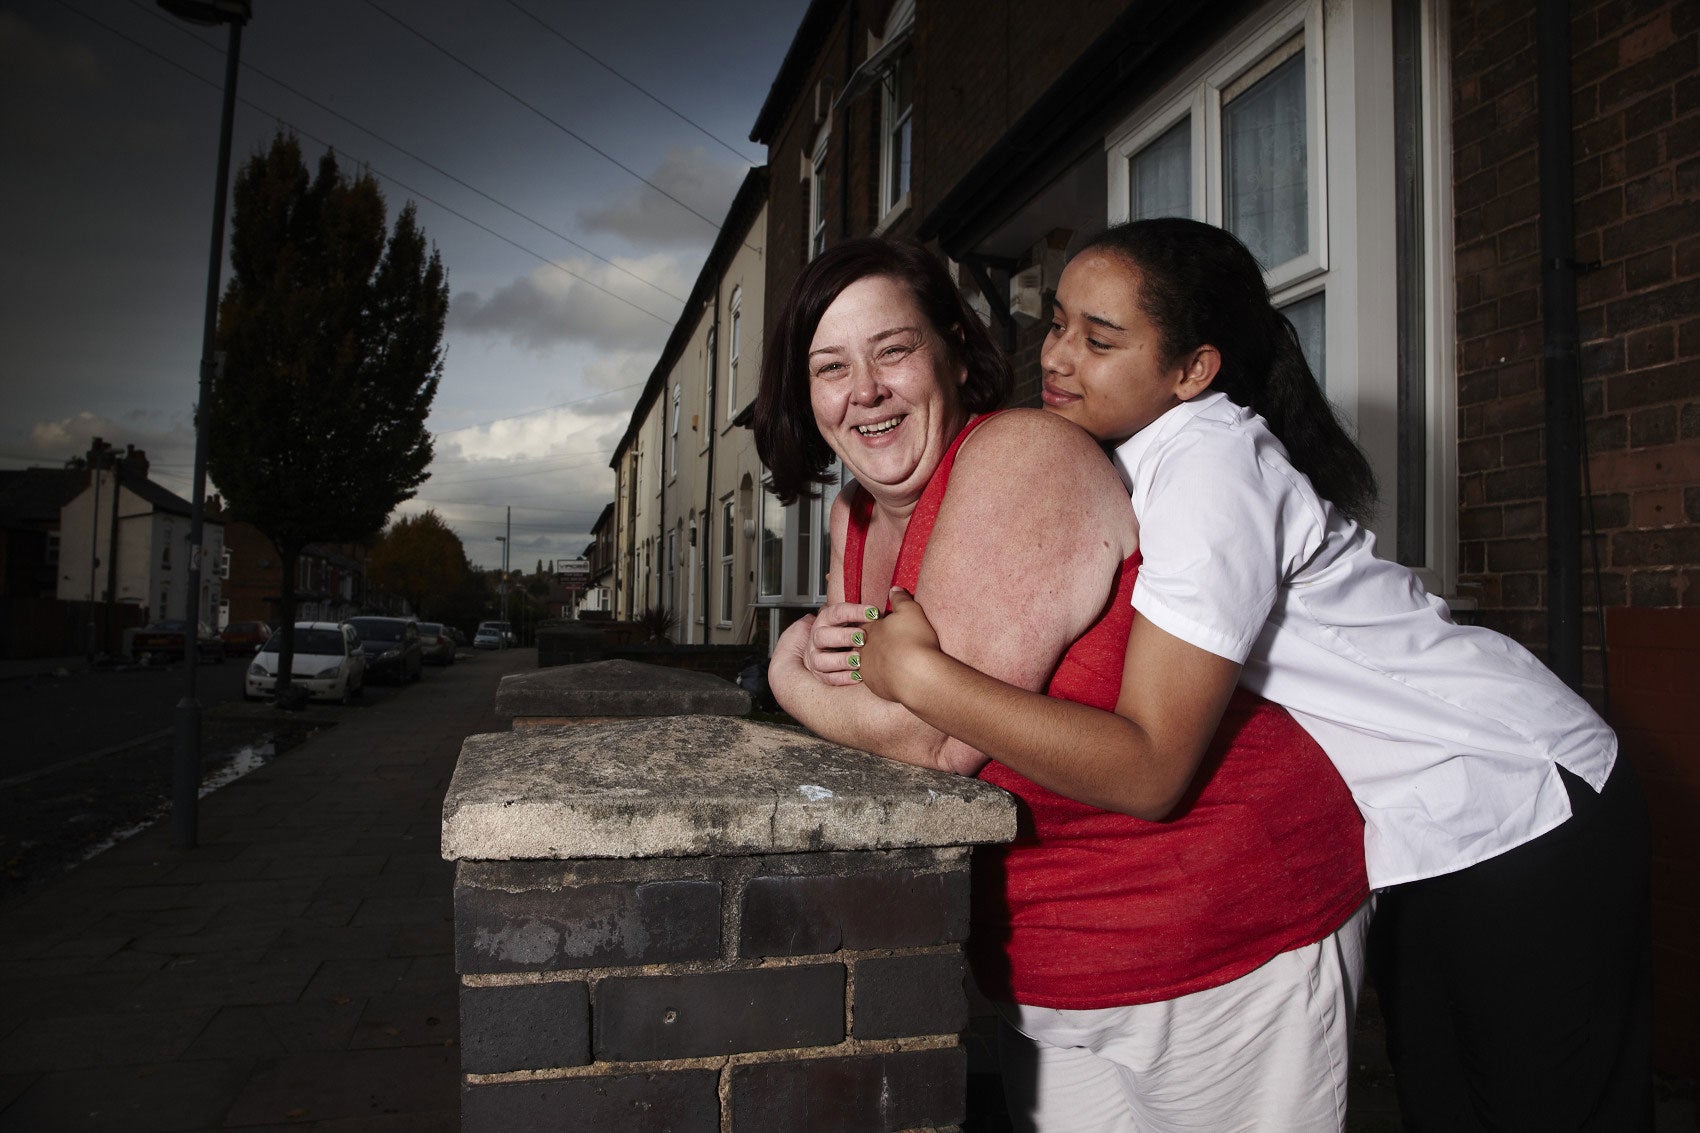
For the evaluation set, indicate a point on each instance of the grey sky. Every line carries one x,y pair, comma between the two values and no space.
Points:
106,202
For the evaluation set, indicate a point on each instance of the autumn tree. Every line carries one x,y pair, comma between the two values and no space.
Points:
331,331
421,560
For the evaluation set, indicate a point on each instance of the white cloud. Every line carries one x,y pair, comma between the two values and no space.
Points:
168,443
649,220
549,309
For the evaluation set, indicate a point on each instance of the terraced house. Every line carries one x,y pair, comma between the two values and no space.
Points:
1483,220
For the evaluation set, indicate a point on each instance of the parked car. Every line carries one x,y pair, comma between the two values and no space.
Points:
245,637
164,640
436,644
491,635
456,635
392,647
328,663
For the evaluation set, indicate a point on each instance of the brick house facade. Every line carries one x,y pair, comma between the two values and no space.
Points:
1410,260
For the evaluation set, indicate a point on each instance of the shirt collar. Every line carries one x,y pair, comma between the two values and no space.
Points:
1131,451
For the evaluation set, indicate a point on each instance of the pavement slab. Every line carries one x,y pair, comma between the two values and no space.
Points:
293,970
351,1084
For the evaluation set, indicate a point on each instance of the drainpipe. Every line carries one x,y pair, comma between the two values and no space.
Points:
705,528
1559,349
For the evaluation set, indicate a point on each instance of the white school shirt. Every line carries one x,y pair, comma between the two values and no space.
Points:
1447,735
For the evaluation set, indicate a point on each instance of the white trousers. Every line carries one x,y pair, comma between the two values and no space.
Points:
1268,1051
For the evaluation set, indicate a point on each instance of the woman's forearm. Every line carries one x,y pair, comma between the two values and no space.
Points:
851,715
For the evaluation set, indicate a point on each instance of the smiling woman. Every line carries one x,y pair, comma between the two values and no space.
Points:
1247,903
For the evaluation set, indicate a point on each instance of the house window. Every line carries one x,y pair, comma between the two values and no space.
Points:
772,551
816,178
224,563
670,585
708,387
734,340
897,118
51,550
1356,252
728,544
673,455
165,549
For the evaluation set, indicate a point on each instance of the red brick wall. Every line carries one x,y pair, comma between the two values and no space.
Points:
981,66
1636,137
1636,116
1655,682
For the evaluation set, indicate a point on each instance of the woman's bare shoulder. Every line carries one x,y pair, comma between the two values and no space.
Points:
1034,444
1027,462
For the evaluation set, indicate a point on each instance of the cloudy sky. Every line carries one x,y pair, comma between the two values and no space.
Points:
570,160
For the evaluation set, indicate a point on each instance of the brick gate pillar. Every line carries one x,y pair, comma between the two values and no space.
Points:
703,922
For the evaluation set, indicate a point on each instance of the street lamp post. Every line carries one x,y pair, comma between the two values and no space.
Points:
186,762
502,586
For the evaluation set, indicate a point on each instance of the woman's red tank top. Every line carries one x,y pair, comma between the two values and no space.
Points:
1088,908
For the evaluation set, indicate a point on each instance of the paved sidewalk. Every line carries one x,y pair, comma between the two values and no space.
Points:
295,970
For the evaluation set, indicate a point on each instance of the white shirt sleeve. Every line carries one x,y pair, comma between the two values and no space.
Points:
1221,530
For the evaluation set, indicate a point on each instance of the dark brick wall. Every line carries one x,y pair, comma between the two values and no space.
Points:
1655,681
1636,118
981,67
815,991
1635,103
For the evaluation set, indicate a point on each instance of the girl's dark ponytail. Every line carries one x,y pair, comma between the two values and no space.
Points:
1200,286
1301,416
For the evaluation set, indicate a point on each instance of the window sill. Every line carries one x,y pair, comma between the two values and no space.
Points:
892,216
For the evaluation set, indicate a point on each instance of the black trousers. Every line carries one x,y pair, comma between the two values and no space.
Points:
1517,992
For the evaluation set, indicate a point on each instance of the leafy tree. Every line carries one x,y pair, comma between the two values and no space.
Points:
331,330
419,558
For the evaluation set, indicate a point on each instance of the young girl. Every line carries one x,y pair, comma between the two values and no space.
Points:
1509,843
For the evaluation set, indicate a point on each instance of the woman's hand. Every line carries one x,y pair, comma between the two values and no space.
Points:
835,634
896,647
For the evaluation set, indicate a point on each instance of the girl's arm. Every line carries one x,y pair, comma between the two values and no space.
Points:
1048,553
1138,760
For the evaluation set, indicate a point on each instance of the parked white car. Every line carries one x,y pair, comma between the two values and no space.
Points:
329,663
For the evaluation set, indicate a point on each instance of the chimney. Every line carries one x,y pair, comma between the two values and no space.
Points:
136,462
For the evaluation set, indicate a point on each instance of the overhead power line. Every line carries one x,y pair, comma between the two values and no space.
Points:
398,182
178,26
558,34
403,150
586,143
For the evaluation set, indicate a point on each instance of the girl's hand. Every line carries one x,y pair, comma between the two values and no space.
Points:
896,645
834,634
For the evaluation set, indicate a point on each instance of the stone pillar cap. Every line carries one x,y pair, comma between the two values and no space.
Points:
691,786
618,688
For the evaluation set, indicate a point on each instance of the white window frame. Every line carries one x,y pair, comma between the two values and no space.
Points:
892,120
673,454
708,386
819,516
734,349
814,165
1352,224
728,565
1198,94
